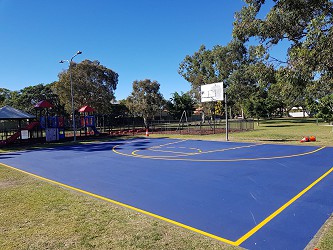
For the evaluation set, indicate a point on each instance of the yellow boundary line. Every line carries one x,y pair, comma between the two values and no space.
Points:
234,243
278,211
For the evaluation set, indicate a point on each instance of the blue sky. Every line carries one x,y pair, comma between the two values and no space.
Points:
144,39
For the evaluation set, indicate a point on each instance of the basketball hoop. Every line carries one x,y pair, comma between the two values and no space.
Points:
212,92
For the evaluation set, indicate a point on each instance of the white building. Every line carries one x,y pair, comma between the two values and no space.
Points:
298,112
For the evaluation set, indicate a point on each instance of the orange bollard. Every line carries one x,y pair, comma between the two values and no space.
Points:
305,139
147,133
312,138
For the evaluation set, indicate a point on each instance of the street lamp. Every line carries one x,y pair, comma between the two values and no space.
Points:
70,76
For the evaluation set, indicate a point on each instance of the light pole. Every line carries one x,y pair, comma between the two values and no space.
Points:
70,77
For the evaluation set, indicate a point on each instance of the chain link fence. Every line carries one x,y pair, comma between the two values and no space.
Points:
117,126
127,125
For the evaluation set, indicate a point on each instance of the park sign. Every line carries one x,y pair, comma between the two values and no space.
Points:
212,92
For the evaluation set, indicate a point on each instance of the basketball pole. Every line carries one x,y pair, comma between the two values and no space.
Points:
226,118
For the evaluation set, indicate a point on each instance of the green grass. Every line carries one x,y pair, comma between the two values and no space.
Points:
39,215
289,131
285,131
325,240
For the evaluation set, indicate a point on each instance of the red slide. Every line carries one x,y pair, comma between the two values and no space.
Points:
18,133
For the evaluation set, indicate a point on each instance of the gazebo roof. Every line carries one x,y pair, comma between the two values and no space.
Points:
86,109
10,113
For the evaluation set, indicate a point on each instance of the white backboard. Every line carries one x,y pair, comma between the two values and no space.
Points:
212,92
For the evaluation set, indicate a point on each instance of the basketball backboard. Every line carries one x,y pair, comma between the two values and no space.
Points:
212,92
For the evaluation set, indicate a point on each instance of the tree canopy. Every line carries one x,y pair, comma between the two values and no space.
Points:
4,95
246,65
325,108
28,97
241,69
93,85
179,103
145,100
306,24
209,66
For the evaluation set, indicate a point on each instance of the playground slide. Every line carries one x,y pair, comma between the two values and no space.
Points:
18,133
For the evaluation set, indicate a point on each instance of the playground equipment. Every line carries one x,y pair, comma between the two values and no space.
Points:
22,132
88,120
54,126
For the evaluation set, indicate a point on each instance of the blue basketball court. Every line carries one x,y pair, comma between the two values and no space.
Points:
258,196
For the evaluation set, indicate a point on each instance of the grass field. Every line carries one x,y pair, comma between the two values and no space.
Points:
38,215
289,131
286,131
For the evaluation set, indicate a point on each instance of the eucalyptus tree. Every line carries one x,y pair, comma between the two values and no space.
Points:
241,69
256,106
307,25
93,85
4,95
179,103
145,100
209,66
26,98
325,108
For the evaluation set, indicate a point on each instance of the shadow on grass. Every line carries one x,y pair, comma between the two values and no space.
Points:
278,140
289,120
283,125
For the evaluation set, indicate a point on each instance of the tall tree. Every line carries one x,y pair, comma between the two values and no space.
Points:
216,65
325,108
28,97
306,24
4,95
256,105
209,66
93,85
287,19
145,100
179,103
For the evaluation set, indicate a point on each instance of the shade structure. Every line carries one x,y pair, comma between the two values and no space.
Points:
43,104
10,113
86,109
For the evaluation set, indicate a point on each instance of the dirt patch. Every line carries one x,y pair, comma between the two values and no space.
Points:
7,184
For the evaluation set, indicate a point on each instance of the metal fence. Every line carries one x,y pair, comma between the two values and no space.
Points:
132,126
135,126
202,128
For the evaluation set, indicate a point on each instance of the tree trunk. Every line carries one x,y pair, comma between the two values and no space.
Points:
203,117
146,122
